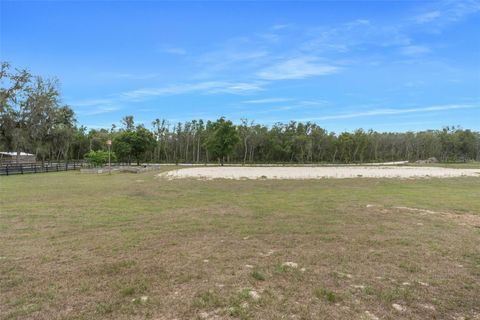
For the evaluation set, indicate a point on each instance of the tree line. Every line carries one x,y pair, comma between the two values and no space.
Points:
33,119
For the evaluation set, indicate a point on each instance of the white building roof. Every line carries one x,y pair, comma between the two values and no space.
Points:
14,154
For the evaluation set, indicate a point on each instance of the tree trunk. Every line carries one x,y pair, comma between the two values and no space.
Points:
198,150
246,149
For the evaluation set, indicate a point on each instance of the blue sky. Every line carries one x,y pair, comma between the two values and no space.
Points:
385,65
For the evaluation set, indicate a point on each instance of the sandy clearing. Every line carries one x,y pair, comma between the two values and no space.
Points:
316,172
390,163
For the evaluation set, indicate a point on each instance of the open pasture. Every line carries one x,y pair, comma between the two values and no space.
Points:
136,246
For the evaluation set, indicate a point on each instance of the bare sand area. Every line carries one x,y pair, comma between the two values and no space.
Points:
339,172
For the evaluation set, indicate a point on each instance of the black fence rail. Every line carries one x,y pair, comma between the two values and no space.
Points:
24,168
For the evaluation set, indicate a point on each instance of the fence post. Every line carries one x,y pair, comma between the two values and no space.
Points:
34,167
21,168
6,169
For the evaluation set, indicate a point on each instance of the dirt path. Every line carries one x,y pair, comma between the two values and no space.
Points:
317,172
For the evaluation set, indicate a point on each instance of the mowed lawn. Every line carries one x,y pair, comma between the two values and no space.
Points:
133,246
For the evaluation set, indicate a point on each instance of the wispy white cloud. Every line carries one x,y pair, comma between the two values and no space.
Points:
231,57
174,50
126,75
239,87
281,26
297,68
92,102
428,16
91,107
99,110
313,103
207,87
267,100
114,102
276,109
386,112
254,62
362,34
271,109
414,50
414,84
353,36
448,11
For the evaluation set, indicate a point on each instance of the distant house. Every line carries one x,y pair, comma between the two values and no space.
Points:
16,157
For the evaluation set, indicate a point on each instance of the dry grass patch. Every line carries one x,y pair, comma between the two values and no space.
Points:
106,247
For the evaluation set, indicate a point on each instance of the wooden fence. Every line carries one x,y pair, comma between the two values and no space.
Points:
24,168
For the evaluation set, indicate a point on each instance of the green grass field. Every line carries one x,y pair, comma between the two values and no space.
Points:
133,246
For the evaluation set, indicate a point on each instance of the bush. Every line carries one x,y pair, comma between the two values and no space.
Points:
258,275
329,295
98,158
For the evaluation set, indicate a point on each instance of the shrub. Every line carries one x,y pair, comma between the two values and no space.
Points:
258,276
98,158
329,295
207,300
